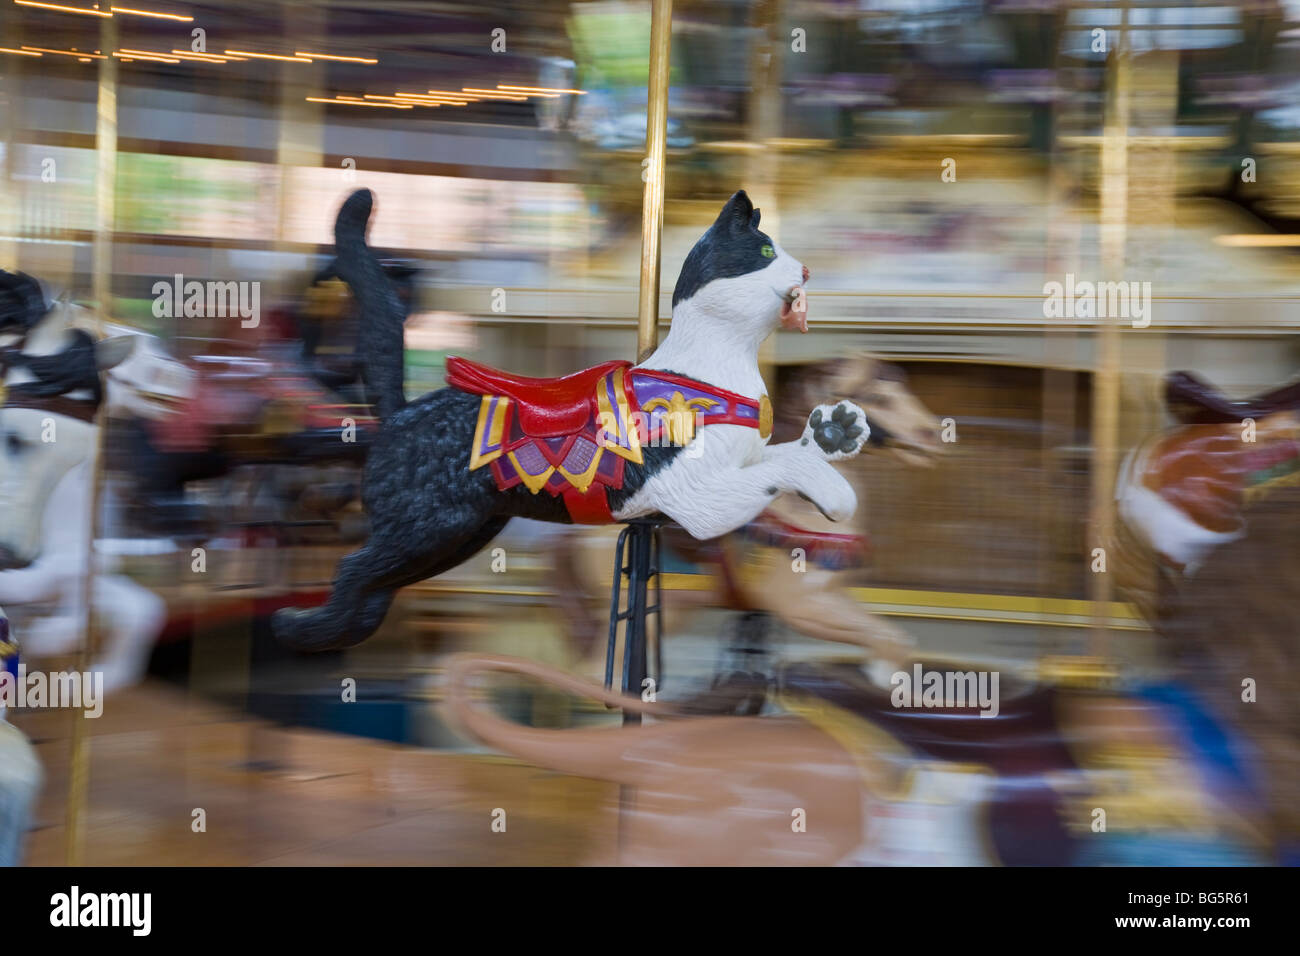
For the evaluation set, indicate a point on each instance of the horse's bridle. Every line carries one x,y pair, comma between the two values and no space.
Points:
32,395
82,409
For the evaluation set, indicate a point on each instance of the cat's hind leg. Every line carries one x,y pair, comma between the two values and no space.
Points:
368,580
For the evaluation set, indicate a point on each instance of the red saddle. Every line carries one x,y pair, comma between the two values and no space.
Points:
546,407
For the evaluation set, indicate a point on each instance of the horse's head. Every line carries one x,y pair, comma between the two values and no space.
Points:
149,383
900,423
47,422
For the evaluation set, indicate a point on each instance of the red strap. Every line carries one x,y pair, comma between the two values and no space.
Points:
589,508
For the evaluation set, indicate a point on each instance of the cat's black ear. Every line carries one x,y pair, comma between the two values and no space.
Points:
753,220
737,212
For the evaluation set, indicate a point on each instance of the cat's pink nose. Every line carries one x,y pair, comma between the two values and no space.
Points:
806,273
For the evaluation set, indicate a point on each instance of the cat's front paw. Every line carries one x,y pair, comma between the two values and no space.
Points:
838,431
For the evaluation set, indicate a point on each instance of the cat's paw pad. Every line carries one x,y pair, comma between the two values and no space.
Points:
838,430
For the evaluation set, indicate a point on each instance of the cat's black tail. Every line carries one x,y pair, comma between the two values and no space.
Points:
382,313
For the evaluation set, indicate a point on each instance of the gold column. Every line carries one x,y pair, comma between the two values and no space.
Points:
762,168
299,145
762,165
105,171
652,205
102,285
12,70
1105,387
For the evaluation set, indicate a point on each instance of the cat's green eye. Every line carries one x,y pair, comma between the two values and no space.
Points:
768,252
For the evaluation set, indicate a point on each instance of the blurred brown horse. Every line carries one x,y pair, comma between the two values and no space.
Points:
1208,551
758,568
844,777
1018,788
1185,491
1233,630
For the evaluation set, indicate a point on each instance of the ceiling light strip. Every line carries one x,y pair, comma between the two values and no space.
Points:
268,56
330,56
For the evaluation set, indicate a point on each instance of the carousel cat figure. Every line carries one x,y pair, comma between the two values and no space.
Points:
683,434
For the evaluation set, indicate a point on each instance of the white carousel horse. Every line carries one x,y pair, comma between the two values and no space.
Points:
53,387
20,771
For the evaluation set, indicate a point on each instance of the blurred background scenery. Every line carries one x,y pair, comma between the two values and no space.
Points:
1092,497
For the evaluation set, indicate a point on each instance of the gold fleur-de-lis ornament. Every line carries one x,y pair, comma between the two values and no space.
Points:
680,420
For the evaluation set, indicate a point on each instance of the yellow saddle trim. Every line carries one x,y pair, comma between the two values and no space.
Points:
609,417
489,432
533,483
495,428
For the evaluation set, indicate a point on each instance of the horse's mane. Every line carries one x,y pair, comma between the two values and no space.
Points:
64,372
22,302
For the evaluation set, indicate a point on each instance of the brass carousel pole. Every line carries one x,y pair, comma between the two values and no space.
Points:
1105,392
637,554
652,206
10,195
102,278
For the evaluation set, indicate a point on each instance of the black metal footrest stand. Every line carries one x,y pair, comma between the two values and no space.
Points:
637,558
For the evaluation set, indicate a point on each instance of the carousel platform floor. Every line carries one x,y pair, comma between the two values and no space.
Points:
289,797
